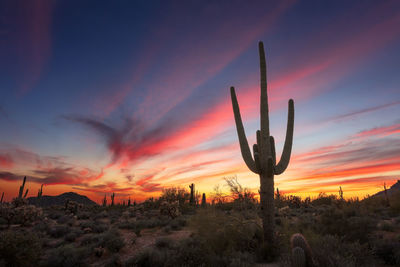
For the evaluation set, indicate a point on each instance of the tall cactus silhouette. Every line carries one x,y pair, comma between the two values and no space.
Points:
264,161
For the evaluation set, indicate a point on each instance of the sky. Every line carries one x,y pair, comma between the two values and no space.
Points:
133,96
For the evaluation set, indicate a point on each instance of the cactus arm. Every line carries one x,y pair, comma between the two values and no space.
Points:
26,193
287,148
264,95
244,145
272,144
21,188
257,157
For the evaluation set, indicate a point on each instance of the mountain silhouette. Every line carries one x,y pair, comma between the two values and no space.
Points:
395,188
60,200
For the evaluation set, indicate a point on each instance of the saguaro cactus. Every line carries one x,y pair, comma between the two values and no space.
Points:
264,161
21,190
40,192
203,200
192,194
112,199
105,200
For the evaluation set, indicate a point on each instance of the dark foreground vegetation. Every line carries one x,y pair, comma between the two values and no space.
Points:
177,230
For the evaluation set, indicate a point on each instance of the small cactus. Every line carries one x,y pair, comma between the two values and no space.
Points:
129,201
40,192
192,202
298,257
21,190
386,195
2,196
341,193
298,242
105,200
170,209
203,200
112,199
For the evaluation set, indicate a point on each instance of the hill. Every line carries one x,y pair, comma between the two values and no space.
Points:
60,199
395,188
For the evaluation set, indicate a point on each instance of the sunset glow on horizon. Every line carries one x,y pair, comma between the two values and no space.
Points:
134,97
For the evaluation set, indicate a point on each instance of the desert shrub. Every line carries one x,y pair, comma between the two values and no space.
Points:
70,237
167,229
175,194
90,240
192,252
332,251
333,221
58,231
129,224
111,240
115,261
63,219
164,242
395,203
95,226
55,214
387,226
229,232
26,214
19,248
324,199
41,226
177,223
83,215
67,256
3,221
148,258
241,259
388,250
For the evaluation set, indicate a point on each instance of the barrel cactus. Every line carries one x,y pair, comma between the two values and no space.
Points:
301,251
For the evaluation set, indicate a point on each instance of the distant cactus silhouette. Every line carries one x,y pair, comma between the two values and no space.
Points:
203,200
105,200
301,251
2,196
21,190
264,162
341,193
112,199
129,201
386,195
192,201
40,192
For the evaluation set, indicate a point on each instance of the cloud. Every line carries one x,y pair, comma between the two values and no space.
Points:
380,131
363,111
114,138
55,176
6,161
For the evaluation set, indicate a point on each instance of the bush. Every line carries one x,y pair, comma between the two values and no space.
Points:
333,251
95,226
58,231
229,232
164,242
70,237
67,256
388,250
148,258
324,199
19,248
112,240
